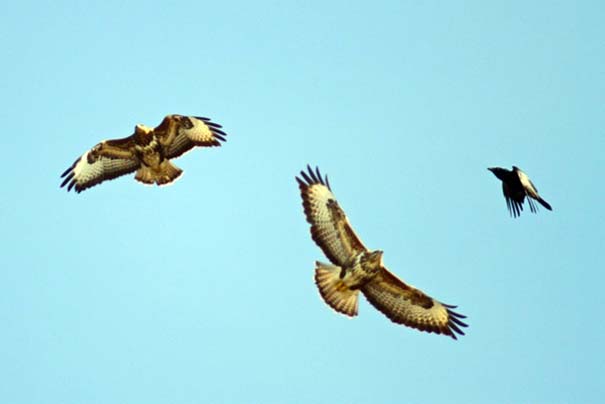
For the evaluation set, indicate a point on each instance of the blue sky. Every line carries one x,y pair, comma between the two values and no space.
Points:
203,291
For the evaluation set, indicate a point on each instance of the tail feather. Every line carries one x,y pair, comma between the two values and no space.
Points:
164,174
334,291
544,203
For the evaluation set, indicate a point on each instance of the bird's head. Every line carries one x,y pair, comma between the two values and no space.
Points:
373,258
498,172
142,129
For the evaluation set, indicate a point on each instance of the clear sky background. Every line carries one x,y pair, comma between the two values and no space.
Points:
203,291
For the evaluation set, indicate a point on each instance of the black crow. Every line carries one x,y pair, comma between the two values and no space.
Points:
515,186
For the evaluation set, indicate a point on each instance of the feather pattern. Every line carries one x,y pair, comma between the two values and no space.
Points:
356,269
406,305
330,228
189,132
87,172
146,151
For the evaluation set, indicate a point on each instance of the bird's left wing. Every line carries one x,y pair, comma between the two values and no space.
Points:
330,228
179,134
406,305
514,206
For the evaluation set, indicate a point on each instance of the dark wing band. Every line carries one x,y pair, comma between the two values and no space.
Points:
406,305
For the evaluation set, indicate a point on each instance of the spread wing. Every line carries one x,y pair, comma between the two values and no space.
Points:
531,191
107,160
179,134
330,228
406,305
515,207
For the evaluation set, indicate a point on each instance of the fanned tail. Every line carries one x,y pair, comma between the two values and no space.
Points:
165,174
334,291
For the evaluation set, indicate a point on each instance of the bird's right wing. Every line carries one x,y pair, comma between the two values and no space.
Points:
107,160
404,304
330,228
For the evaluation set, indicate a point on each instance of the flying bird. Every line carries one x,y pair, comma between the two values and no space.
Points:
356,269
147,151
516,185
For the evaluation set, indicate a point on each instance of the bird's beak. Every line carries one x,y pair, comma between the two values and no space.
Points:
491,169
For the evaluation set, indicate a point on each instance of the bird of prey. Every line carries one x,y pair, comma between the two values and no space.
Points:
148,152
516,185
356,269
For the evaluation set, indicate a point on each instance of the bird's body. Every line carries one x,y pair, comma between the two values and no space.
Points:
356,269
516,185
147,151
151,152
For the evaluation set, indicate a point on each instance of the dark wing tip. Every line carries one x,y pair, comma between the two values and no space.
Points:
66,171
67,179
219,134
312,176
307,181
301,183
213,124
514,208
215,128
71,167
208,122
454,323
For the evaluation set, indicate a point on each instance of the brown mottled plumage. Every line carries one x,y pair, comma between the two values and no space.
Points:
355,268
147,151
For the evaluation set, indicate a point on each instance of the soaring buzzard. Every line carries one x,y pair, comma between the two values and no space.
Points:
516,185
358,269
148,152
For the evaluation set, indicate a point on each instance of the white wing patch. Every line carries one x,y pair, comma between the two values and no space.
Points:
83,175
527,184
200,132
333,242
84,171
319,195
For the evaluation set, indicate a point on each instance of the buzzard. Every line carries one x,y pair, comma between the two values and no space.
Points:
516,185
148,152
354,268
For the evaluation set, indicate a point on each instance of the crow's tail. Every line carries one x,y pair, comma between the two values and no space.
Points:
544,203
